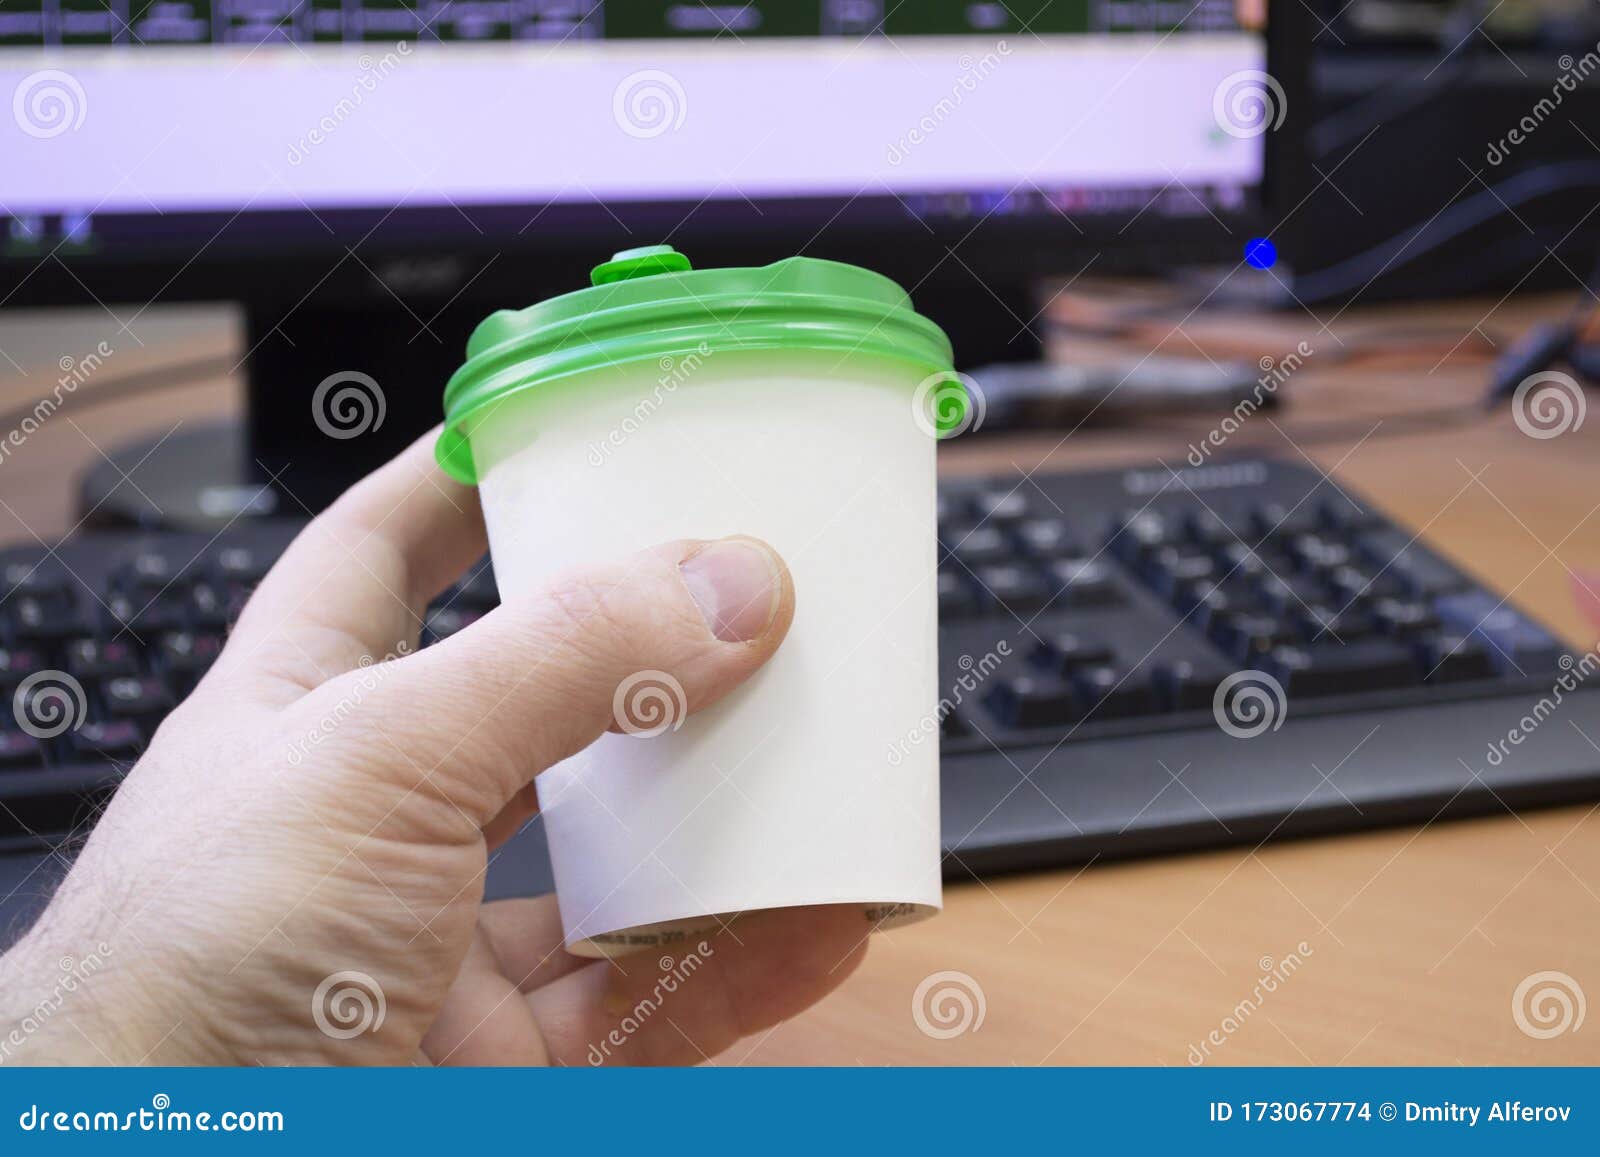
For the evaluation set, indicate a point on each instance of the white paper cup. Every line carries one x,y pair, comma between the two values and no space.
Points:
800,787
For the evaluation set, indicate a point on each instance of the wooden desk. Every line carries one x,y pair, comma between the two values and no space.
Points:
1417,937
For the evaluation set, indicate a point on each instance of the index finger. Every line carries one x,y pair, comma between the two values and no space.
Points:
357,581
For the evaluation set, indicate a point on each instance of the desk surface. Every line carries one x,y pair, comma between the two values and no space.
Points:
1414,939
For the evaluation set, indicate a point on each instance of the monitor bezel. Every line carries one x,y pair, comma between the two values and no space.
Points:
420,257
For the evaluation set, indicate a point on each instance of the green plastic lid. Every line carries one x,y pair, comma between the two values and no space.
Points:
648,304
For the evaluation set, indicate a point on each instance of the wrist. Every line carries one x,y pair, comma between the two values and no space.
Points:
44,1003
71,995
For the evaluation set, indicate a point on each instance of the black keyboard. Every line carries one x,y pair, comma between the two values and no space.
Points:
1131,661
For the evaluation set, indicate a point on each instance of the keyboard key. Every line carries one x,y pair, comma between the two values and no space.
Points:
140,614
136,696
1240,561
148,572
1338,669
1323,622
981,545
115,739
211,607
1062,652
1029,702
241,564
998,505
1404,618
1082,582
1316,552
43,619
96,659
1131,536
20,751
186,655
1456,658
1245,636
1517,643
1047,538
1202,602
41,579
1286,594
1189,685
17,664
1277,520
1422,574
1016,588
957,600
1212,528
1352,584
1137,533
1107,694
1168,568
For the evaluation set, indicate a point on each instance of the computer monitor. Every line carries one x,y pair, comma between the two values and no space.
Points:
369,176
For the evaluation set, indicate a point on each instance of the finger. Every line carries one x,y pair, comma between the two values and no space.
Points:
484,1020
526,938
697,1002
479,714
358,579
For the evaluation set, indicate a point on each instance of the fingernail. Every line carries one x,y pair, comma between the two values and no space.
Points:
734,582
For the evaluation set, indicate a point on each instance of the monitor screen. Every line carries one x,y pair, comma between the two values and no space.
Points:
196,129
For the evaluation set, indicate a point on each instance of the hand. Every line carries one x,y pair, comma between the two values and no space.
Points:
325,802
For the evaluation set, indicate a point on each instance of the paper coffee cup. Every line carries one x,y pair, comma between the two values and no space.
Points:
797,402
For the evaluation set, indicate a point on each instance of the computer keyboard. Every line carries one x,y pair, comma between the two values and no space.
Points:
1131,661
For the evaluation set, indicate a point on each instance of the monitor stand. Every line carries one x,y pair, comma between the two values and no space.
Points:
294,450
305,445
337,390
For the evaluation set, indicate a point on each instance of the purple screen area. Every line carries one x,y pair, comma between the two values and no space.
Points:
1066,123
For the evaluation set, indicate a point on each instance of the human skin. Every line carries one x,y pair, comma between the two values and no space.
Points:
241,864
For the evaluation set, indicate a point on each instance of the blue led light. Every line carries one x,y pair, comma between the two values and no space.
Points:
1260,252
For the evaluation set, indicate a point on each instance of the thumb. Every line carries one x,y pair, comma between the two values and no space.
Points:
628,645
